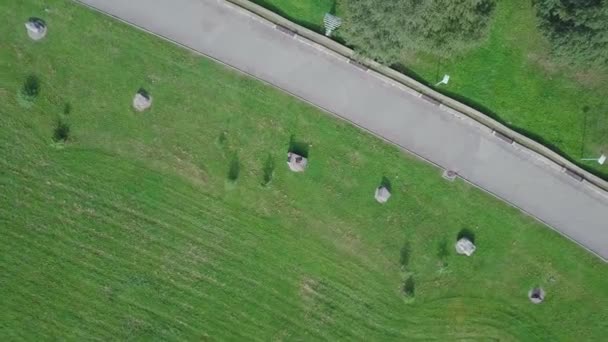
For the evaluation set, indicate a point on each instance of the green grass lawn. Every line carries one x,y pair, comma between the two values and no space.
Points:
131,230
512,78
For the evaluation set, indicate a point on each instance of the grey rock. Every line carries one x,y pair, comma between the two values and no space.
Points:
142,101
296,162
449,175
382,194
536,295
36,28
465,246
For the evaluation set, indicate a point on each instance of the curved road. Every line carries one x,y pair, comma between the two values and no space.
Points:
242,40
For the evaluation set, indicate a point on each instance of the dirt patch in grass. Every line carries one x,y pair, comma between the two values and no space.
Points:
592,78
544,62
308,289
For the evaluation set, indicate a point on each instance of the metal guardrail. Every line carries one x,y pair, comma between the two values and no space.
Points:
500,130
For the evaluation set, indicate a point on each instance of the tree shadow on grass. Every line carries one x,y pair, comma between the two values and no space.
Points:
405,254
143,92
298,147
466,233
385,182
268,169
67,108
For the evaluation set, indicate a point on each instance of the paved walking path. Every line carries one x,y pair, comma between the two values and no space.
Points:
239,39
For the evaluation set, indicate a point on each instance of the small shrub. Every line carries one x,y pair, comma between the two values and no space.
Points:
29,91
62,131
409,287
222,138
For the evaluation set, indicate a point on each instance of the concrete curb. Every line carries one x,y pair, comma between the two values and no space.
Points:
499,129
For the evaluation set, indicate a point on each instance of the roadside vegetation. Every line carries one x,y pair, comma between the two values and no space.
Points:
183,222
384,29
551,87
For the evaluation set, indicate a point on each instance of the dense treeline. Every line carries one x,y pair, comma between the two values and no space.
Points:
577,29
384,29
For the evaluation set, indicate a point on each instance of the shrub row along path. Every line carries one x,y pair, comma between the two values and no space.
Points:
240,39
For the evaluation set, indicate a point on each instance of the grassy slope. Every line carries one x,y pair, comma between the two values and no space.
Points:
131,230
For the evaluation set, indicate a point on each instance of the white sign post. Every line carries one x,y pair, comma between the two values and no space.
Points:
445,80
601,160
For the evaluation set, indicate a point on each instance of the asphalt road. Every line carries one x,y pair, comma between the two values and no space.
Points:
237,38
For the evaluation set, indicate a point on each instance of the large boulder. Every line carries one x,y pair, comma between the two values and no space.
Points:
464,246
536,295
36,28
142,100
382,194
296,162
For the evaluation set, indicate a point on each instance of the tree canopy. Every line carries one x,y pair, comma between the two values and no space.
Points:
577,29
384,29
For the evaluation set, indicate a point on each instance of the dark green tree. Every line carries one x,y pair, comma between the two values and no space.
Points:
383,29
577,29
